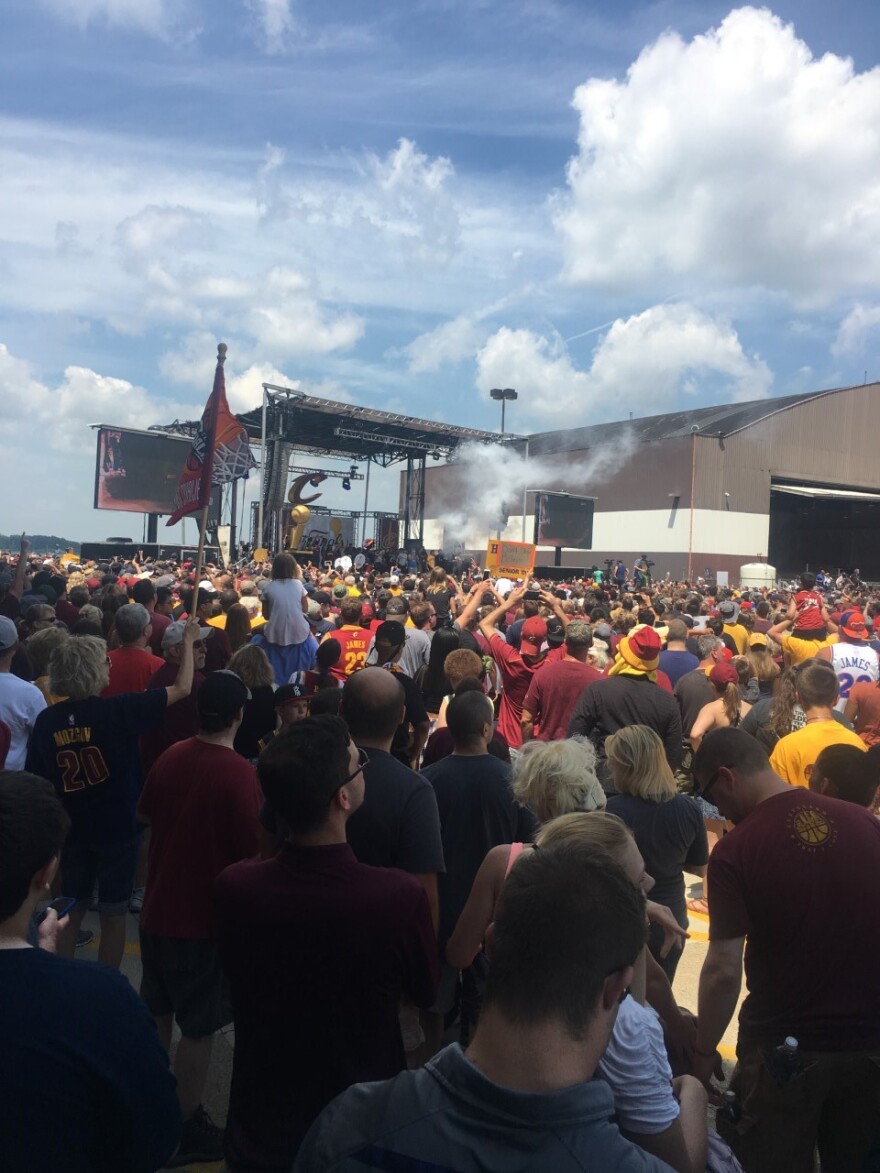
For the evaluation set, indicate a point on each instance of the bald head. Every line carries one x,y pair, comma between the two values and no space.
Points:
373,705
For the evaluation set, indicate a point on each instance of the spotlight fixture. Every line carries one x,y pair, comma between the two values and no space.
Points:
315,481
435,455
346,484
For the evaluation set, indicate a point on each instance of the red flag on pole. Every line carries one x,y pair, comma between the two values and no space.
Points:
220,452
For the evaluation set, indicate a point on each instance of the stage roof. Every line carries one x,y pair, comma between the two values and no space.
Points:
313,425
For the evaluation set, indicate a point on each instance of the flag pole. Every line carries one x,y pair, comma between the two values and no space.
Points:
203,519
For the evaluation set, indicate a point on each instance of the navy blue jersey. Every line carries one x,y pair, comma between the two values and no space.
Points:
88,750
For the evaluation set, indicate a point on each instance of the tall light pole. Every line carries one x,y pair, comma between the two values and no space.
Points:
503,394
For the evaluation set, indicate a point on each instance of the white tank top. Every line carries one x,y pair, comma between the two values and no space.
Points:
854,664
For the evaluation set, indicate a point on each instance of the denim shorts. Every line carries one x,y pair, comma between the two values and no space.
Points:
111,864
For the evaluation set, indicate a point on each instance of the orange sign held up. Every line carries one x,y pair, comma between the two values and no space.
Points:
513,559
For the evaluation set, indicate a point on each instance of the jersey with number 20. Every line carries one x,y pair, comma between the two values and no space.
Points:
89,750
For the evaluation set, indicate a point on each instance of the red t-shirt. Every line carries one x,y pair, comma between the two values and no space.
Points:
354,641
809,610
784,879
131,670
516,676
552,694
203,803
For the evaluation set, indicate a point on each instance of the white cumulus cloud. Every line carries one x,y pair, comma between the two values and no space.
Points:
735,157
291,321
155,17
60,414
450,342
274,23
855,330
643,363
413,200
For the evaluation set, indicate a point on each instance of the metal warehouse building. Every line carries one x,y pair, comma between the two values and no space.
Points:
794,481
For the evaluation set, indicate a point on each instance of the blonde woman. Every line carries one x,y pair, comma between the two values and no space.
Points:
442,591
668,827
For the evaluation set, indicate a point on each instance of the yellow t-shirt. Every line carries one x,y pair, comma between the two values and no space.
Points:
739,635
795,754
799,650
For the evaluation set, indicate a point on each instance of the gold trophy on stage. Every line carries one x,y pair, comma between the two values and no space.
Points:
300,512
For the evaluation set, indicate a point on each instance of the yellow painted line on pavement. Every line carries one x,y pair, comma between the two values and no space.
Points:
694,935
727,1052
132,948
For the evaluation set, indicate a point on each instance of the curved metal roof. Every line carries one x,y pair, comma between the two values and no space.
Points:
722,420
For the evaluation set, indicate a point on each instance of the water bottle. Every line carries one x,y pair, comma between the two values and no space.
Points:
785,1061
730,1107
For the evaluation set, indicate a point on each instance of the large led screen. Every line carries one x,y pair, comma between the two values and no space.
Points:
565,521
137,472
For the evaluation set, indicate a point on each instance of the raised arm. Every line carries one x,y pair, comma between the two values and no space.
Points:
555,605
17,587
473,602
487,625
182,686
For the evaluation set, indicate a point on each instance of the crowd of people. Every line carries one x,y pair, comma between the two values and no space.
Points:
422,840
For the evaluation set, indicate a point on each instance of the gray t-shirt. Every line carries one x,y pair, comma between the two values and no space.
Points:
449,1117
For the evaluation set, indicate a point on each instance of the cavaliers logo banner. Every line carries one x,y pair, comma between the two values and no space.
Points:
220,452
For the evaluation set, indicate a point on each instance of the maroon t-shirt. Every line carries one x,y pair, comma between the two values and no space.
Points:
797,877
318,949
66,612
218,650
202,802
552,695
181,720
158,623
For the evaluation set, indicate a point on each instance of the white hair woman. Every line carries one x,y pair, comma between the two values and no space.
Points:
87,746
668,826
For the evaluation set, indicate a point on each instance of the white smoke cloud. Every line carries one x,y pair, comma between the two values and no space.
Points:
486,483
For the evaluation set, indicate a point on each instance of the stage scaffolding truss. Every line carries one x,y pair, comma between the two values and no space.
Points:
289,421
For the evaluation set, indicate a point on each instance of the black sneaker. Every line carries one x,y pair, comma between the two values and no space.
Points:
200,1140
83,937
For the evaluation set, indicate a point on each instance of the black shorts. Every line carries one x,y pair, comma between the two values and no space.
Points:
184,978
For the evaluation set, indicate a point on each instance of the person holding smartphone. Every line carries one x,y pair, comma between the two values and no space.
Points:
84,1084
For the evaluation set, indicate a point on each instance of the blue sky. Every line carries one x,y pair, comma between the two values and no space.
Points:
611,207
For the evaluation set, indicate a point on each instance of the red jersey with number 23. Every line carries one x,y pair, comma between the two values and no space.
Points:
354,641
